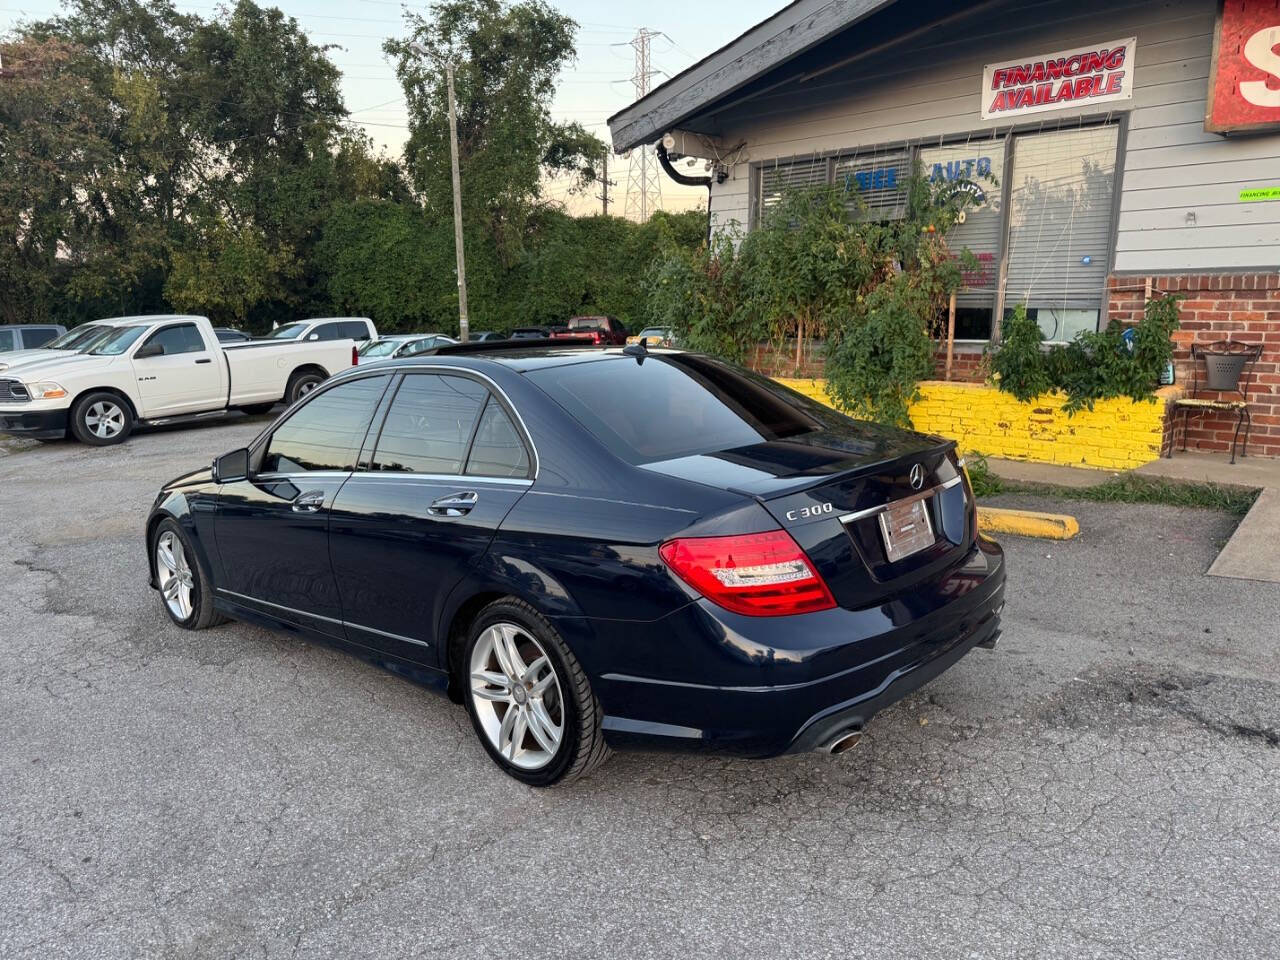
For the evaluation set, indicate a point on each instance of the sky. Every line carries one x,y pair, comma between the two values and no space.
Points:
590,91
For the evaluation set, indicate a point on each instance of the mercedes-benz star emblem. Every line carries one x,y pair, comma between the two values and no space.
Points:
917,477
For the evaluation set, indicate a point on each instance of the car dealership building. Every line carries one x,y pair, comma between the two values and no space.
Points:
1113,150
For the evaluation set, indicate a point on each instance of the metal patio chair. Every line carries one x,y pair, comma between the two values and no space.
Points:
1228,367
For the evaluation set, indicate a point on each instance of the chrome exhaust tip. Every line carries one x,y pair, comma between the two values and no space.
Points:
843,742
991,641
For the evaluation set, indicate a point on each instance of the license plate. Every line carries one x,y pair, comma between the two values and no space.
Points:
906,529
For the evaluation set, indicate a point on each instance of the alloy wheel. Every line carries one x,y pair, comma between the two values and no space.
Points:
104,419
177,582
516,695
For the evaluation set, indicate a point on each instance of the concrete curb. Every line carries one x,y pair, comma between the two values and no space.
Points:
1027,523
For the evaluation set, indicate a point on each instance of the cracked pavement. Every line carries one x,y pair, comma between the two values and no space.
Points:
1103,785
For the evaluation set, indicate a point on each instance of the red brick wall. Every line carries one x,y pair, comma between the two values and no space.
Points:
1243,307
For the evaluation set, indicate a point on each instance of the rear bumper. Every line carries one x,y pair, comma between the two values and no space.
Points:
38,424
792,683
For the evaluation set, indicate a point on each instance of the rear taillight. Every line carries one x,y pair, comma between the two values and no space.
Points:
759,574
596,336
355,355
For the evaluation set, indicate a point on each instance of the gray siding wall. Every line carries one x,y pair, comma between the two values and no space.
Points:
930,88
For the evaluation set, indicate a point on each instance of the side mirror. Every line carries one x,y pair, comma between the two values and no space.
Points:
313,336
149,350
231,466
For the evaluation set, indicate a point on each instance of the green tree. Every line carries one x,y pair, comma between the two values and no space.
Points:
507,58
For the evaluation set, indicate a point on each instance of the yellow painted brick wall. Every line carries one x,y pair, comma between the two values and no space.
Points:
1115,435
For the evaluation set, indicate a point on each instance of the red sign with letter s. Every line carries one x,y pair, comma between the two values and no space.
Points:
1244,79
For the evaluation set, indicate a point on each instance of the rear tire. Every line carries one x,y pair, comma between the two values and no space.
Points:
528,697
300,384
101,419
186,592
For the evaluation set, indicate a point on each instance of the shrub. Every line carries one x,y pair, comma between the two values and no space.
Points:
1094,366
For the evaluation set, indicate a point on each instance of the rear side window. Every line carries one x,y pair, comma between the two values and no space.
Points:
669,407
38,337
327,432
355,330
498,450
429,425
181,338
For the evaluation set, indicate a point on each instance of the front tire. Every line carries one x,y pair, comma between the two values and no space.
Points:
185,589
101,419
528,697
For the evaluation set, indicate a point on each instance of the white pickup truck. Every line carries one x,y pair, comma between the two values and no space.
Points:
153,370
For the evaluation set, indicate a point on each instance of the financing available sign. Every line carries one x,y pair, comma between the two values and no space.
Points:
1085,76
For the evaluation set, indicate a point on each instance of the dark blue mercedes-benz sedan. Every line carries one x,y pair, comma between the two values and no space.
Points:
595,547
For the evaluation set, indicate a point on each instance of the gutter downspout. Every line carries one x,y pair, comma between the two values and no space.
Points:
687,181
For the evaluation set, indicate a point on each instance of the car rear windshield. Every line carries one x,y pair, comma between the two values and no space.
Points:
588,323
669,407
379,348
288,332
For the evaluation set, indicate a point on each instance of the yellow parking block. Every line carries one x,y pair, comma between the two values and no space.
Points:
1027,523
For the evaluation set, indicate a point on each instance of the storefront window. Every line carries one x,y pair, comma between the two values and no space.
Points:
1053,235
1060,204
976,169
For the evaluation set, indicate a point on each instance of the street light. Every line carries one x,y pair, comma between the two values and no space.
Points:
463,325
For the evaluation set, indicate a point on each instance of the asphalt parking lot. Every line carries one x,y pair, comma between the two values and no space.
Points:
1105,784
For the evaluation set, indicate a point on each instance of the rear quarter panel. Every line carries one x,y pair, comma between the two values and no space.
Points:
261,372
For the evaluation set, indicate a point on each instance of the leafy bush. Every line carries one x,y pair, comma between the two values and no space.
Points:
820,265
1094,366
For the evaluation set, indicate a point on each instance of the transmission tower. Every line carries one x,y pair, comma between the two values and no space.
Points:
644,179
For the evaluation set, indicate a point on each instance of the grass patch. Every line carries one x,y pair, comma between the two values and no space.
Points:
1126,488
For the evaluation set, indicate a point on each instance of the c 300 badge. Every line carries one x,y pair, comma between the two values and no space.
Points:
808,513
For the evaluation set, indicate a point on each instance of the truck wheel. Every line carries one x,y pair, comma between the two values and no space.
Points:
101,419
300,384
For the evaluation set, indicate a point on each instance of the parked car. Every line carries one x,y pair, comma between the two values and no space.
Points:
74,340
402,345
230,335
483,336
156,370
28,336
594,548
600,329
655,337
531,333
325,328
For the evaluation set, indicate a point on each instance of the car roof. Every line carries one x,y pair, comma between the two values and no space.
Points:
145,318
524,360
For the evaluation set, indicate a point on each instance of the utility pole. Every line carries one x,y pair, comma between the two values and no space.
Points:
463,324
604,183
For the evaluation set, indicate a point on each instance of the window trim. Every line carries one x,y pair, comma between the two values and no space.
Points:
1117,118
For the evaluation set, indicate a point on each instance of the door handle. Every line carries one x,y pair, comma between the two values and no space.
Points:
454,505
308,502
205,360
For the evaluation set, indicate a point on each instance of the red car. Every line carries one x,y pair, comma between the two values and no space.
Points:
600,329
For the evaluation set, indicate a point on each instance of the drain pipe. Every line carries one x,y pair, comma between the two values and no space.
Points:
687,181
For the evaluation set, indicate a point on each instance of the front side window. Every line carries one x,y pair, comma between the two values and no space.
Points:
325,433
429,424
418,346
117,341
180,338
7,340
